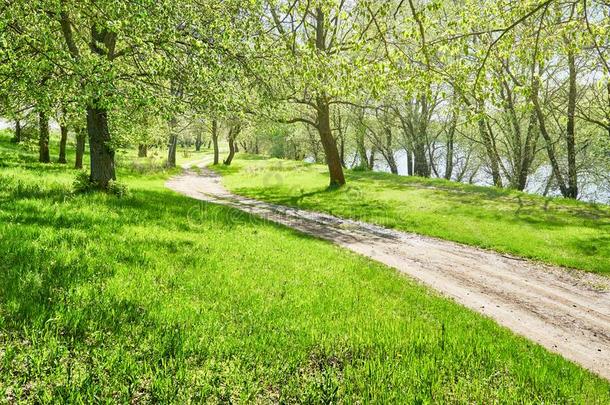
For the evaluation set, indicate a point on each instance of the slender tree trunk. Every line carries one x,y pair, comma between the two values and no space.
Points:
233,133
81,137
608,119
173,143
450,150
142,150
548,141
43,140
17,136
215,141
198,142
570,130
62,144
100,150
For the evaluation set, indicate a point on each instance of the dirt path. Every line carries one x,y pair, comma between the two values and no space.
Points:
568,312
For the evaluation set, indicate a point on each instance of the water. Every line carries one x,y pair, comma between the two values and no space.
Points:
591,190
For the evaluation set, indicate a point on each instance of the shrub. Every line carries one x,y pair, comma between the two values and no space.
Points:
82,184
118,189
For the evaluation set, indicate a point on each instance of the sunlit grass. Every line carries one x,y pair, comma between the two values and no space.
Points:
158,298
554,230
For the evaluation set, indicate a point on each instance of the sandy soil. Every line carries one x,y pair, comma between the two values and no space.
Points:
568,312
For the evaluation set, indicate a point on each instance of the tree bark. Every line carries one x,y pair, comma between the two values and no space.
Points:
215,141
100,150
450,147
333,160
173,144
81,137
233,132
142,150
62,144
572,191
43,139
422,167
17,136
198,142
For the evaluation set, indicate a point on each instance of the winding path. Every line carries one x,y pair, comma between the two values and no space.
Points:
568,312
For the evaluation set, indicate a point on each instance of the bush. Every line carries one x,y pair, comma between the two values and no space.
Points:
82,184
118,189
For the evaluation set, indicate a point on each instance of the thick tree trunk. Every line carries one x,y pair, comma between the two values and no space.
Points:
363,160
81,137
421,167
43,139
62,144
215,141
100,150
142,150
17,136
333,160
371,161
409,162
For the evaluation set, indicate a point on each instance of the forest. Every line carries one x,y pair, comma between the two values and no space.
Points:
500,93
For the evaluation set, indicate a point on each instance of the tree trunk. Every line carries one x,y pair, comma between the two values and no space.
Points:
371,161
409,162
173,144
333,160
450,150
43,139
363,160
100,150
233,132
494,165
572,191
17,137
421,167
81,137
142,150
215,141
62,144
548,141
198,142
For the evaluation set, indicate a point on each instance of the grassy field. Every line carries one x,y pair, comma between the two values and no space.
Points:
157,298
553,230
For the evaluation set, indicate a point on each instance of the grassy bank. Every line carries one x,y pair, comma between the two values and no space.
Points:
157,298
553,230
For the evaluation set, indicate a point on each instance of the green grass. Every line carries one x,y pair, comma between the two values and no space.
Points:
553,230
158,298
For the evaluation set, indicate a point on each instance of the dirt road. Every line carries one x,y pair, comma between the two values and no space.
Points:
568,312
